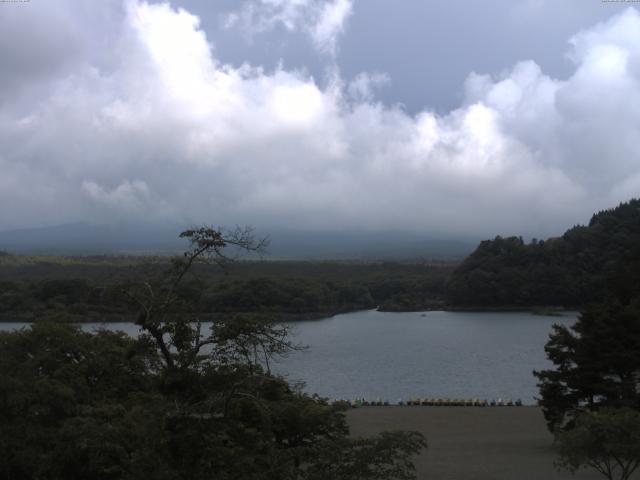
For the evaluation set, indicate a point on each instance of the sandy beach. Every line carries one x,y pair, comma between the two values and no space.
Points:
493,443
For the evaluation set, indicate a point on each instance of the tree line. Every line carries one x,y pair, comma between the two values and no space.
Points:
286,290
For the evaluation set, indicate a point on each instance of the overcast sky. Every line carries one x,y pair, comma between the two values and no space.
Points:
444,118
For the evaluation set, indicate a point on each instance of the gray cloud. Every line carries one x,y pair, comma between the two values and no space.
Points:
163,130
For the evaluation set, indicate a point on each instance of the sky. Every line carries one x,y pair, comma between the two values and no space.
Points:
457,118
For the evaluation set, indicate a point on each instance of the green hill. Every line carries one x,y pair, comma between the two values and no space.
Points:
583,265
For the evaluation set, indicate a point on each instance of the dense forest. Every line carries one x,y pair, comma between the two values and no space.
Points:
579,267
90,288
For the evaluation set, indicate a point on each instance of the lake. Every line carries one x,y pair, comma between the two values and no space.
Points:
395,356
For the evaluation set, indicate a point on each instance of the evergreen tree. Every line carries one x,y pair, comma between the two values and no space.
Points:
597,363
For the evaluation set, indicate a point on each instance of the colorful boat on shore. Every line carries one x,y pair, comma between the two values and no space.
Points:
431,402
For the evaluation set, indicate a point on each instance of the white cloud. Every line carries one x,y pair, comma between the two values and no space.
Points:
258,16
165,131
322,20
330,24
362,87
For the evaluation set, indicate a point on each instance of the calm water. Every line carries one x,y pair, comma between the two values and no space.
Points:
435,354
402,355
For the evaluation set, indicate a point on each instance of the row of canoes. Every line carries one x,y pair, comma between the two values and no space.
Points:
434,402
460,402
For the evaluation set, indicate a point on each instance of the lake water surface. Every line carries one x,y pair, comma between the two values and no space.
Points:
434,354
395,356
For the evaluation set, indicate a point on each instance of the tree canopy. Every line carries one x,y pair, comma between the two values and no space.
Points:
572,270
597,363
607,440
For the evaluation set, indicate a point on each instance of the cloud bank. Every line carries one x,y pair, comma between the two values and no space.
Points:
157,129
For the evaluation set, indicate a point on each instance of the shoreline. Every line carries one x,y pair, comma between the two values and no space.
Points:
285,317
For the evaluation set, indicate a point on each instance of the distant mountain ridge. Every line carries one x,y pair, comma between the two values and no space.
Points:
83,238
136,239
579,267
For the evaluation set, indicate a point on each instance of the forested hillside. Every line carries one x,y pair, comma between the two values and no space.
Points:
571,270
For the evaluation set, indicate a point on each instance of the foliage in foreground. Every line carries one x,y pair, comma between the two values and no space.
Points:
175,403
591,400
607,440
596,363
102,406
